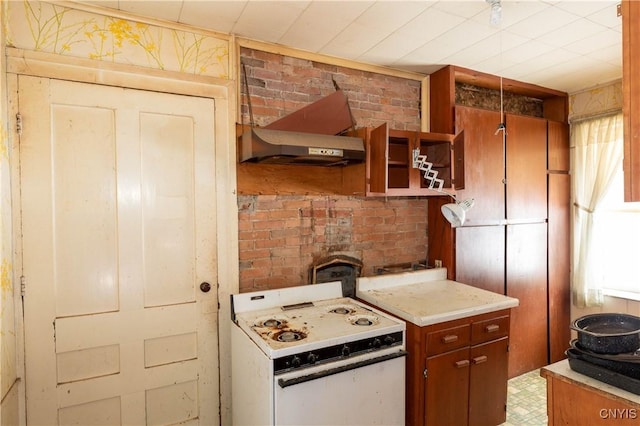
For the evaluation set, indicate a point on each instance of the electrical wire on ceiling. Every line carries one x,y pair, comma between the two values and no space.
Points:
495,18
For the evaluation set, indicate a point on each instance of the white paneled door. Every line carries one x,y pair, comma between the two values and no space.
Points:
118,233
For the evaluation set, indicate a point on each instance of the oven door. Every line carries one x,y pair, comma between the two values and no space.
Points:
366,389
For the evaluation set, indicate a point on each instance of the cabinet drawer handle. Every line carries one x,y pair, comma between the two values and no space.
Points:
450,338
462,364
492,328
479,359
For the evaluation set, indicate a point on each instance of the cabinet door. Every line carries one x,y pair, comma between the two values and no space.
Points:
480,257
559,261
401,176
631,94
447,394
483,163
527,282
488,383
377,160
444,159
526,150
558,146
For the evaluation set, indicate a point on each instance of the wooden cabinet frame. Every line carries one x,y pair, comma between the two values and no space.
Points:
631,98
387,171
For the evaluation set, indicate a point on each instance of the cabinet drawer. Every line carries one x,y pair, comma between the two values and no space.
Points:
448,340
493,328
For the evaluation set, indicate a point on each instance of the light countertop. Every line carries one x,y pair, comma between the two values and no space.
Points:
561,370
426,297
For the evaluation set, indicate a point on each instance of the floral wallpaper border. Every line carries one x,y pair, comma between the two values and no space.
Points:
51,28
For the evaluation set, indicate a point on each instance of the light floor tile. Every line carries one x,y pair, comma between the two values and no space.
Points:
527,400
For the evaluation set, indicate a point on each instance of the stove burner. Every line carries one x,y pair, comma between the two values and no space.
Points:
272,323
287,336
342,310
363,320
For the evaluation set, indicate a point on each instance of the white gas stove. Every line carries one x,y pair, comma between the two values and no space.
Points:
307,355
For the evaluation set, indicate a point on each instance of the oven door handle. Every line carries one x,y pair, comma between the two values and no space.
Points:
283,383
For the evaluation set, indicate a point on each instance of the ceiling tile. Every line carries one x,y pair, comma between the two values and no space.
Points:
563,76
465,9
478,53
377,24
217,15
451,42
586,7
607,16
268,20
420,30
571,32
596,42
542,23
319,24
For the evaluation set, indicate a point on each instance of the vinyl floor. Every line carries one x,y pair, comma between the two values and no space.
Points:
527,400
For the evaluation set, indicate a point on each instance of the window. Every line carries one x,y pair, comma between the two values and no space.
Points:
606,231
617,240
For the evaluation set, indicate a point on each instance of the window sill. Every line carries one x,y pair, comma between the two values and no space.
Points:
621,294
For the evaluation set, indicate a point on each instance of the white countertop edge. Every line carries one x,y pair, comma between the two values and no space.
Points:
508,303
401,279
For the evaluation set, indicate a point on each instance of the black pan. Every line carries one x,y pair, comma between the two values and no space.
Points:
608,333
626,364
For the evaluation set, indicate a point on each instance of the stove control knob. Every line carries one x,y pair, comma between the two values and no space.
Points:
377,343
389,340
346,351
312,358
295,361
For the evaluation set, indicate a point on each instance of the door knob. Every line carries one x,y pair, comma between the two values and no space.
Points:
205,287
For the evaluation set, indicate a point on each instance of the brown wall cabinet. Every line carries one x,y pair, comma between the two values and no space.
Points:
387,171
516,237
457,371
390,161
503,247
631,98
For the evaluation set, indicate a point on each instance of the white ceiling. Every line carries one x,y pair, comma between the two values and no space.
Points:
565,45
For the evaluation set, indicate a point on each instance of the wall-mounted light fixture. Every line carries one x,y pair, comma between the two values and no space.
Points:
455,212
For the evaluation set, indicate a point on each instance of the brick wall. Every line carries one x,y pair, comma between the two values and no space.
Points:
280,85
282,236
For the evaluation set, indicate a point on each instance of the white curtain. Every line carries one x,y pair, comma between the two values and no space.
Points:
597,156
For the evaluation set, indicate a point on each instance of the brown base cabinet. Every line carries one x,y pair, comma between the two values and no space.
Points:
574,399
457,371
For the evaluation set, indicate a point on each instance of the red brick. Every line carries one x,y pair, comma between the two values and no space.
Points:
268,224
271,243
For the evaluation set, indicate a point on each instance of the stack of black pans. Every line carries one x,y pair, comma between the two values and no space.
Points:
608,349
